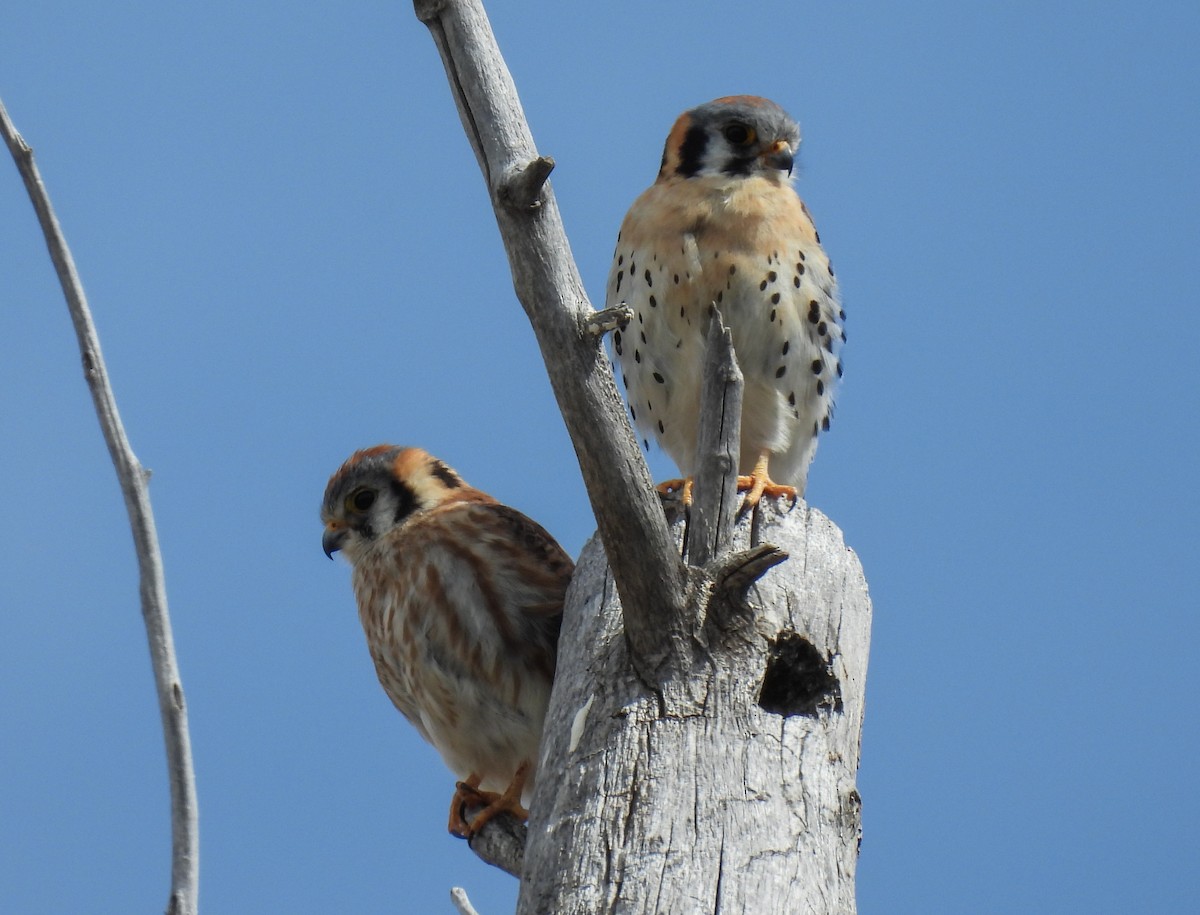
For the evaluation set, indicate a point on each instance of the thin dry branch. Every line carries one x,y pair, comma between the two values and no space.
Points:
710,530
650,576
185,858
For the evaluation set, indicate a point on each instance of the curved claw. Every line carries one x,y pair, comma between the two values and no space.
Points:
760,484
467,794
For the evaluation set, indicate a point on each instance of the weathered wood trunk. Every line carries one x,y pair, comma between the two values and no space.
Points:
729,788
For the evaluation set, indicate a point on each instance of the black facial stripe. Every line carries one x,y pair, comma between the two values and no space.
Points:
406,500
440,470
738,166
691,151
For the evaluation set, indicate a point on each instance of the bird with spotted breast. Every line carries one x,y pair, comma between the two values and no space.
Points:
722,225
461,601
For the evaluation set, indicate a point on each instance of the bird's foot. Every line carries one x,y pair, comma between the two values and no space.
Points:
467,795
681,486
760,484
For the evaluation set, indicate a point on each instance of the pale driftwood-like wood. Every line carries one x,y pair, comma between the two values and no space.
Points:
185,858
462,903
502,844
703,735
715,492
691,796
647,568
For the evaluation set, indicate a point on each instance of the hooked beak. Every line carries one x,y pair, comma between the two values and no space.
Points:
779,156
333,538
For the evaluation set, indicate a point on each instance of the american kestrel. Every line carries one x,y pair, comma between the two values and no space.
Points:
722,225
461,600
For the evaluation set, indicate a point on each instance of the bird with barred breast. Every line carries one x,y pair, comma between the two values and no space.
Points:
722,226
461,601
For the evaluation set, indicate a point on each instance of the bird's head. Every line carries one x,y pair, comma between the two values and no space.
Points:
379,489
731,137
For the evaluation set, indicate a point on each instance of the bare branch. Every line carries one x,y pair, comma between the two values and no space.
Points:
610,319
522,187
501,843
185,858
462,903
650,576
714,508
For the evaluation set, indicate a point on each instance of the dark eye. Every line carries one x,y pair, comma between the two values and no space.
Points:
739,134
361,499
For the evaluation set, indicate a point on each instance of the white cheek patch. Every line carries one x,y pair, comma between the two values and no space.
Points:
578,724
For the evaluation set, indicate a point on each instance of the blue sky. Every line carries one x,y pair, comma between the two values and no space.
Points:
290,254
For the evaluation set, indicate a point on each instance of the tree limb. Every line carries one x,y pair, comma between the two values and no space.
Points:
650,576
462,903
133,478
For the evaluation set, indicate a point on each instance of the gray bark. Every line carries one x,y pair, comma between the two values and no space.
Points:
731,789
703,736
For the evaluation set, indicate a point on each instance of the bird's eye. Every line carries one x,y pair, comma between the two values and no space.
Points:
739,134
361,499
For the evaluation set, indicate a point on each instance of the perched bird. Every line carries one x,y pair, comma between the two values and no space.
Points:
723,226
461,600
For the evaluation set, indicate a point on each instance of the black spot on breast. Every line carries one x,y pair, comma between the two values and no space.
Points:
800,268
787,344
659,378
661,429
676,279
643,336
825,423
617,341
772,276
775,299
817,365
779,372
762,287
820,387
796,281
842,314
792,399
633,413
649,279
720,296
822,329
839,369
772,315
637,356
653,302
620,257
732,269
831,269
620,276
